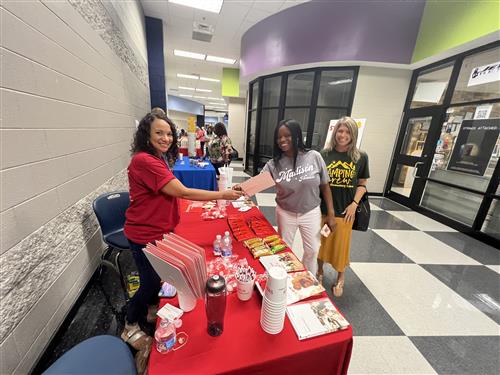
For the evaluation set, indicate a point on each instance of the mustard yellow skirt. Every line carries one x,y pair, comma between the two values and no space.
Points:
335,249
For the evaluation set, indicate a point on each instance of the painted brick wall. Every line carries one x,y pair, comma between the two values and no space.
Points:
72,85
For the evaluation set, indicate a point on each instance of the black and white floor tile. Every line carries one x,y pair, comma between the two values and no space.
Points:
421,297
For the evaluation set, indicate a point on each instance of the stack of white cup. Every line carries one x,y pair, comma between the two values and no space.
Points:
272,315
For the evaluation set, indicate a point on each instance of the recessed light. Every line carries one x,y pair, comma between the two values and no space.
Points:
223,60
191,55
186,96
189,76
199,97
187,88
213,6
209,79
203,90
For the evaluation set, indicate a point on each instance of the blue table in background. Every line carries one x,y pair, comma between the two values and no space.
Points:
195,177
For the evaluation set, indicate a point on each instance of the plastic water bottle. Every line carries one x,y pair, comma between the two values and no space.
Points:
227,245
165,336
218,245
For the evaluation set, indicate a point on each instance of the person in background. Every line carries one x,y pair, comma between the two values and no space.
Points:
183,143
153,211
200,136
158,110
300,177
220,148
208,138
348,170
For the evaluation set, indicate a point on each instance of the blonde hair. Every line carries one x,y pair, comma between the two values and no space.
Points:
352,149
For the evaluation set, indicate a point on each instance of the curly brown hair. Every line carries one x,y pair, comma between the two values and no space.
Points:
143,133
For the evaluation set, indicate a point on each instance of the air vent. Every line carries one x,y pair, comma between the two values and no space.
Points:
203,32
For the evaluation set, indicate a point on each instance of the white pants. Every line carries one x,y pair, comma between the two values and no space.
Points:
309,225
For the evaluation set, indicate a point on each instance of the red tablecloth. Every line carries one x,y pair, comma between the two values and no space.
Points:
243,347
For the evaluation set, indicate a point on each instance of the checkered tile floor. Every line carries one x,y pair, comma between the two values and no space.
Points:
421,297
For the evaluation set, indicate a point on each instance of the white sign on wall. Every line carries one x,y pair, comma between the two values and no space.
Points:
361,127
485,74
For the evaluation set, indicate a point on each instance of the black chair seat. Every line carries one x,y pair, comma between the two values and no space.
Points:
117,239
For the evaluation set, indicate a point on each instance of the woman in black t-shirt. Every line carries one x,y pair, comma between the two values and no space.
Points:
348,171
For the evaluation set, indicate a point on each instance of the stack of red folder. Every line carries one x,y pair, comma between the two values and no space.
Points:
182,264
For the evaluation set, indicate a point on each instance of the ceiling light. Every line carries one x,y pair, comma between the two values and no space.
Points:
186,88
214,103
213,6
199,97
212,98
186,96
203,90
191,55
220,59
209,79
190,76
340,81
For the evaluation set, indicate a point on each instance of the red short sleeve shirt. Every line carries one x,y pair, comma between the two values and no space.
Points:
151,213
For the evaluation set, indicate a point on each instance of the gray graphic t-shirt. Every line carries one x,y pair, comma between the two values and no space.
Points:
298,190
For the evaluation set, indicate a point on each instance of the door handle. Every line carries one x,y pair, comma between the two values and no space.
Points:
416,168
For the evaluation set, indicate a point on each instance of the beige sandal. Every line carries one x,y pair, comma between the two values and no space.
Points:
338,289
137,339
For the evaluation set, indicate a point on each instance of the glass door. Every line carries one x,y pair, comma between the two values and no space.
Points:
414,155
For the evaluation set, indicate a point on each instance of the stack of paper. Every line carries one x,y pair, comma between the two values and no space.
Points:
182,264
310,319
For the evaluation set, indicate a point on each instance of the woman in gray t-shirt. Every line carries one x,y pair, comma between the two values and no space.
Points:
300,176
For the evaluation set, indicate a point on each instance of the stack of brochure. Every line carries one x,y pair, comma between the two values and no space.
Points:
318,317
182,264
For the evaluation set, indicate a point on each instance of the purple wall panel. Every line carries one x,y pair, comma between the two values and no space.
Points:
369,30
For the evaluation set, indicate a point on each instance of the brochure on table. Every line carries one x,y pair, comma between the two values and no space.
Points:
318,317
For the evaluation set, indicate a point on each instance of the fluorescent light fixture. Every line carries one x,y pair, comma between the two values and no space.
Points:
223,60
186,96
218,104
187,88
212,98
340,81
199,97
203,90
213,6
209,79
189,76
191,55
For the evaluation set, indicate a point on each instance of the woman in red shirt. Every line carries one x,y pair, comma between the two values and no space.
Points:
153,211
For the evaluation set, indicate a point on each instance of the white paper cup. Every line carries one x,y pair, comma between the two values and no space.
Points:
276,285
245,289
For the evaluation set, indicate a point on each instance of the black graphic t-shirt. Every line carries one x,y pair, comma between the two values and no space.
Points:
344,176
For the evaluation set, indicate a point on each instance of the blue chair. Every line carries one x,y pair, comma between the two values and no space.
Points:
97,355
110,211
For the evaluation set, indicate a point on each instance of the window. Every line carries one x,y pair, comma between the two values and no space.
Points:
478,78
431,86
312,97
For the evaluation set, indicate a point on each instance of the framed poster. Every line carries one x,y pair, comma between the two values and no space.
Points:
474,146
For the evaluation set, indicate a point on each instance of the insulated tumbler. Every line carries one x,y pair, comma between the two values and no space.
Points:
215,304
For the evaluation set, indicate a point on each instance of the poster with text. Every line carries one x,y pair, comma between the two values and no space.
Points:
361,127
474,145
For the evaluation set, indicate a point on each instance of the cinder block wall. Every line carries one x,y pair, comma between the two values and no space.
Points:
74,80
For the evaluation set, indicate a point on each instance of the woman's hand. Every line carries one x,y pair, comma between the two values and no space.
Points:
350,212
330,221
231,195
237,187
